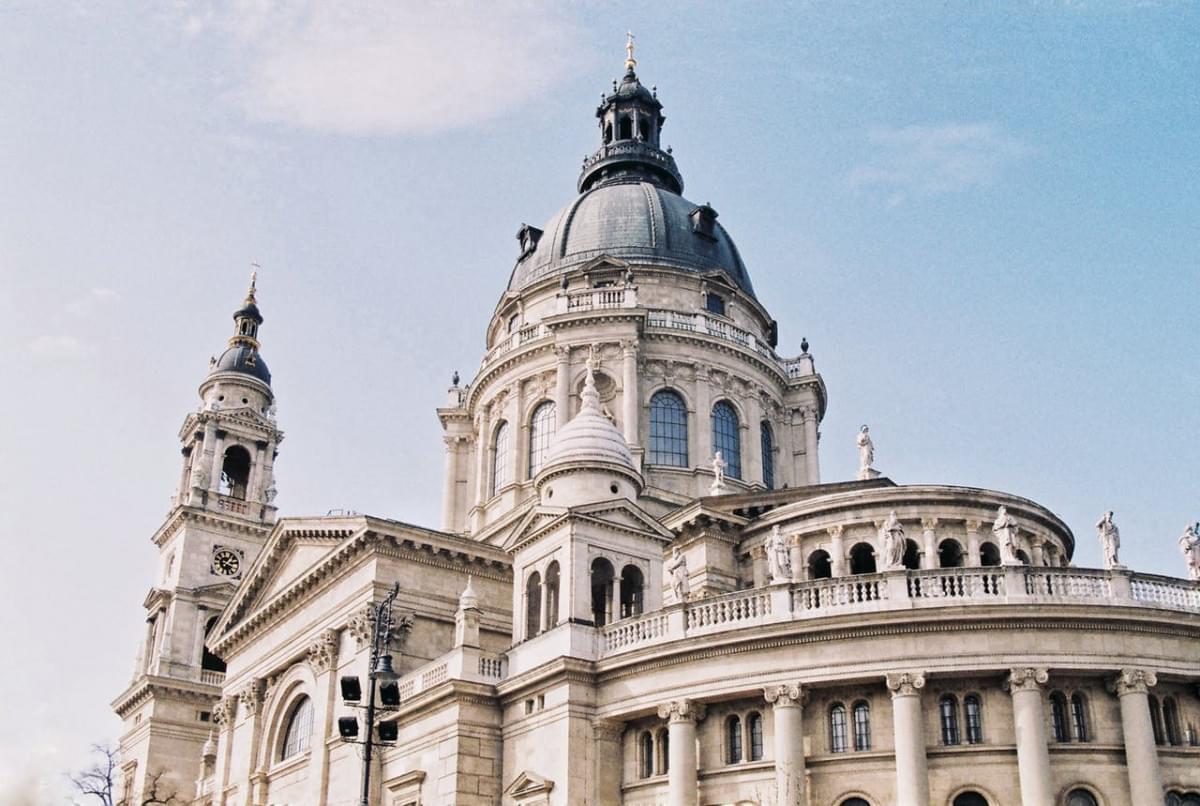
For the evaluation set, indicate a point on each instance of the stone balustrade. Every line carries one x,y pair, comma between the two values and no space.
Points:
898,590
462,663
518,338
211,678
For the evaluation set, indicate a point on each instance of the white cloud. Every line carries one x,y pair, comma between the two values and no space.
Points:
59,347
90,301
933,160
385,68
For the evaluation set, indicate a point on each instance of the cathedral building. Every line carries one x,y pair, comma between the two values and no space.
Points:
642,591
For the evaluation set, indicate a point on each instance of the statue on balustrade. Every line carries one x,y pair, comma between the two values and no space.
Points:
677,568
1110,540
779,559
1006,530
891,538
866,454
1189,544
718,468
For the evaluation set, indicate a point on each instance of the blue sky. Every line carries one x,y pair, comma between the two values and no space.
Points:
984,217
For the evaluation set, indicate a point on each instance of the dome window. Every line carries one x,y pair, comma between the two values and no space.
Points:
714,303
704,220
528,237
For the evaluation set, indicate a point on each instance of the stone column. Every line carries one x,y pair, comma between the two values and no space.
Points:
837,551
218,461
700,448
450,483
630,398
811,465
482,445
1029,720
224,714
682,716
543,605
929,556
788,702
562,387
752,467
796,555
615,610
198,636
251,700
608,760
973,542
1133,686
912,774
758,556
322,659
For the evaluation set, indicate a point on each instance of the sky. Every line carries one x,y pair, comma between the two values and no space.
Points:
984,217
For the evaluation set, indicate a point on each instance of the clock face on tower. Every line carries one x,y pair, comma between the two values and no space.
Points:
226,562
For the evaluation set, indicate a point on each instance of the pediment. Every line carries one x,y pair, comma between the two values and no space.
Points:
301,556
536,521
624,515
604,262
528,784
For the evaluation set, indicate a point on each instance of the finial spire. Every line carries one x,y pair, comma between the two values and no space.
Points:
254,267
630,62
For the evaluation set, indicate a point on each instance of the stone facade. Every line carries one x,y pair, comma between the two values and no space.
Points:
546,653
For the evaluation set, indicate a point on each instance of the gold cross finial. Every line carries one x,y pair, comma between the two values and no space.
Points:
630,62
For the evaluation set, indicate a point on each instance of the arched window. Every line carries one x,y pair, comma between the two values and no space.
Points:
819,565
645,755
989,554
838,740
1081,797
733,740
862,559
607,133
970,799
950,554
1156,720
664,752
755,727
862,726
643,128
768,455
299,729
1058,717
625,128
551,584
1176,798
855,801
500,463
602,591
235,472
632,591
948,711
727,438
1171,721
1023,557
912,555
541,432
533,604
1079,718
668,430
973,712
208,661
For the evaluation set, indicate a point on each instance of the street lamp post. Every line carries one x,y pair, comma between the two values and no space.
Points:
380,673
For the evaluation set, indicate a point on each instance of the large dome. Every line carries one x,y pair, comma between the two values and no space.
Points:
635,221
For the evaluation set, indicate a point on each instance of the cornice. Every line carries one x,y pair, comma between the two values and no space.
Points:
560,669
772,368
185,513
148,686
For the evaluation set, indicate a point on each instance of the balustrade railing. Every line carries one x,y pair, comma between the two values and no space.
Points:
227,504
895,591
518,338
711,326
211,678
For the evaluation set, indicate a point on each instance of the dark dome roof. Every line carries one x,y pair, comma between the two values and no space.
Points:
639,222
243,359
248,311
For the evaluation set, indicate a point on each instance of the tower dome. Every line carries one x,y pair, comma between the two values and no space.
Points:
242,355
630,205
593,452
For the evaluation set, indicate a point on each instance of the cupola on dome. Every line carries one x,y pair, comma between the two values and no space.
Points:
630,205
589,438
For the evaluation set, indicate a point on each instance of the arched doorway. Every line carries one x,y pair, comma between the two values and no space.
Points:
970,799
912,555
819,565
862,559
950,554
602,591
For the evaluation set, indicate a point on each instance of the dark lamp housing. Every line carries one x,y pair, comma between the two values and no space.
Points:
348,727
351,689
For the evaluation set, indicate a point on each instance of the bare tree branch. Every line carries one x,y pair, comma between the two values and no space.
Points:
96,781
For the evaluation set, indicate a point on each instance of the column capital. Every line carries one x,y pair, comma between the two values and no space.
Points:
929,523
251,696
224,711
682,711
1133,681
791,695
1029,678
629,346
562,352
836,531
973,525
323,653
905,684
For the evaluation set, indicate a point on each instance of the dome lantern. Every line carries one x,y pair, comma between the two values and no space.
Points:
631,123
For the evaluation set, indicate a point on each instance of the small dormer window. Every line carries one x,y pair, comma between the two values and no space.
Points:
512,322
715,303
704,219
528,237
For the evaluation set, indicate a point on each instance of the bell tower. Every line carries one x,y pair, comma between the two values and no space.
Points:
221,515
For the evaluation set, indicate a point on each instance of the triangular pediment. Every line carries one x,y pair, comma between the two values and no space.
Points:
623,515
604,262
533,525
301,557
528,784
